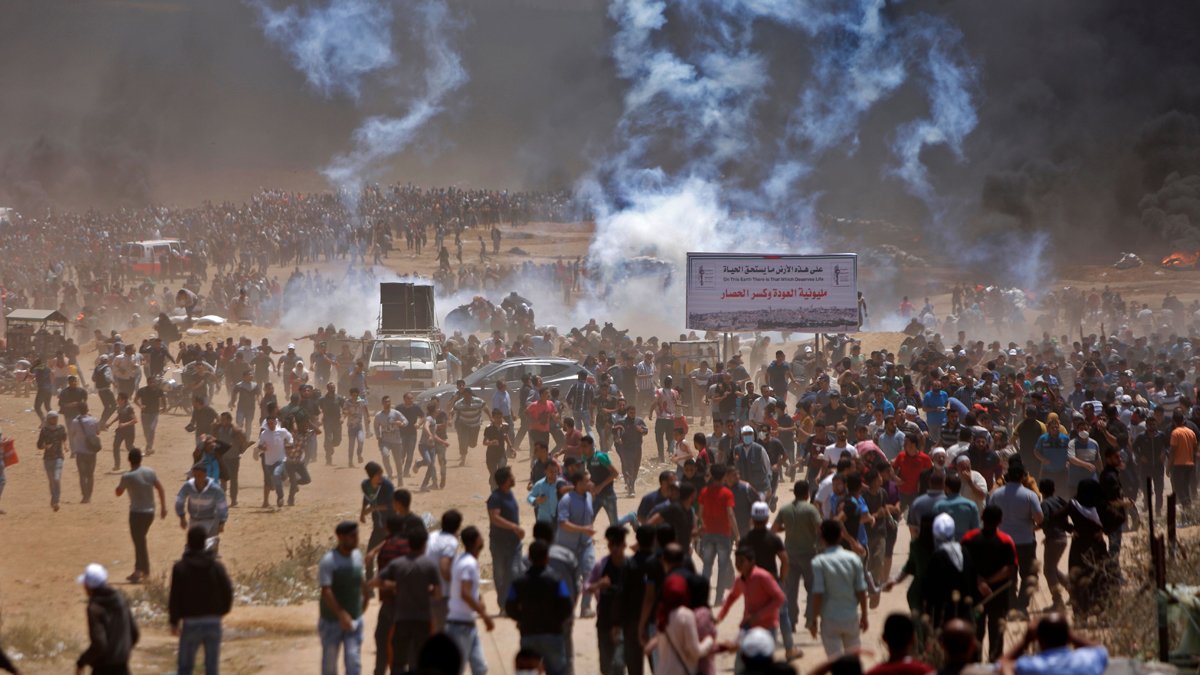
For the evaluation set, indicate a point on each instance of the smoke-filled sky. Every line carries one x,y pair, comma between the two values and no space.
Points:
1084,115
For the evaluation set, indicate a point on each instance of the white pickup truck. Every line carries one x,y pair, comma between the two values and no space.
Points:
400,363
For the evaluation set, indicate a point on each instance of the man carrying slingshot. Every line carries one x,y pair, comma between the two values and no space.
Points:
995,557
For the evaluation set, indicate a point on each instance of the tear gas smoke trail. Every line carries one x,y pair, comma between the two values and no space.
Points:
703,100
339,45
334,46
382,137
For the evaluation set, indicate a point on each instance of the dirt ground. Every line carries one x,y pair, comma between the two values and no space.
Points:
41,552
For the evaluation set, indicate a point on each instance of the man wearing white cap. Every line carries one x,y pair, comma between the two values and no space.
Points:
753,463
111,627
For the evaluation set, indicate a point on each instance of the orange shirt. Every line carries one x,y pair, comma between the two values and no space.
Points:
1183,447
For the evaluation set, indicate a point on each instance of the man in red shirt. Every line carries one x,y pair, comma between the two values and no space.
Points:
718,530
763,594
994,555
909,465
541,413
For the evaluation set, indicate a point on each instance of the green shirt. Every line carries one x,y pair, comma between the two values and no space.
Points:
600,467
344,576
801,527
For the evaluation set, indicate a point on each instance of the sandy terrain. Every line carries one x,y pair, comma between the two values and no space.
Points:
41,552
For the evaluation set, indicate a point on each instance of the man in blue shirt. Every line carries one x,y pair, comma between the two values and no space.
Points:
544,495
1060,650
575,516
935,402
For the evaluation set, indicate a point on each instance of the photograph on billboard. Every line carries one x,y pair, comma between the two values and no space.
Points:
733,292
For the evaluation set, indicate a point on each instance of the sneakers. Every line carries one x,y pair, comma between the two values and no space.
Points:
135,578
587,614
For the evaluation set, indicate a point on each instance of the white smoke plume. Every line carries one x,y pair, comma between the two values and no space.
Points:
699,86
339,45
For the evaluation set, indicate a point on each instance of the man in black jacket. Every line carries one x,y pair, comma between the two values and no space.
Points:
540,602
111,627
201,593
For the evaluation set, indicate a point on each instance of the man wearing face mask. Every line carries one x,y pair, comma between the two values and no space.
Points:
753,463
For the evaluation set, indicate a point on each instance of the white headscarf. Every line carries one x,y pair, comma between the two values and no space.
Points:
943,535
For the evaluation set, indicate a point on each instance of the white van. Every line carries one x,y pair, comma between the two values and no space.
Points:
147,257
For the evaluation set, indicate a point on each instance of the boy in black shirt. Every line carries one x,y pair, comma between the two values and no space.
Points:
605,583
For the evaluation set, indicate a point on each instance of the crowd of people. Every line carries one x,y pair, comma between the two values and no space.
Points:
81,268
973,449
782,481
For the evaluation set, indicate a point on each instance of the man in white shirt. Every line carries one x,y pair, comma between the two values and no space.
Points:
466,604
272,449
442,549
126,368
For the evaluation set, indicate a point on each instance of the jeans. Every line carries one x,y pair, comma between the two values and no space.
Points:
149,427
990,622
383,634
86,463
310,449
139,526
1157,476
503,557
333,438
839,637
717,547
583,420
408,447
466,636
244,419
229,483
607,502
799,569
1026,559
54,469
536,437
273,476
522,431
431,476
195,632
123,436
635,659
585,553
109,400
612,658
407,639
387,451
631,461
333,639
297,473
1181,483
604,436
354,439
41,403
785,622
551,647
664,435
1052,553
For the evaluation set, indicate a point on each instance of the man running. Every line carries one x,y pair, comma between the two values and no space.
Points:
141,483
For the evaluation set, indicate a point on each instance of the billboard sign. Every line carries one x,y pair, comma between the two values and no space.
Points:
798,293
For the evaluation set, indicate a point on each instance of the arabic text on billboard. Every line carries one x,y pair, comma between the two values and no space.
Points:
802,293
